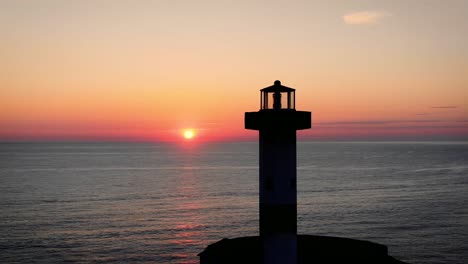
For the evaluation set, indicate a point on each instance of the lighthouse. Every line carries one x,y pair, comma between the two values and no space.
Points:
277,122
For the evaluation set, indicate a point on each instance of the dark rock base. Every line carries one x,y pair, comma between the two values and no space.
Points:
311,249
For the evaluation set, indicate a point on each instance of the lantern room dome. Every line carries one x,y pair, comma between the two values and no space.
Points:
277,87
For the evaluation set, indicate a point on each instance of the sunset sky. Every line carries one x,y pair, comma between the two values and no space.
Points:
146,70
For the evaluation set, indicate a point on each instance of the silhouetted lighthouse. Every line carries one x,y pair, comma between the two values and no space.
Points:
277,122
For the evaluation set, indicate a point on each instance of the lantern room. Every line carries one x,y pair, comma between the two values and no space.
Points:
277,97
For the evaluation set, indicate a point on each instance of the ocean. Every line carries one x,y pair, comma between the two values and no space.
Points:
164,203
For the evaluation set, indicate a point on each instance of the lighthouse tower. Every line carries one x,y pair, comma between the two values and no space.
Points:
277,122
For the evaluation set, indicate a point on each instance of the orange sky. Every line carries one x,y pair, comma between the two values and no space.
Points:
145,70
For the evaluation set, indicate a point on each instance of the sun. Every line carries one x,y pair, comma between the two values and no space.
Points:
188,133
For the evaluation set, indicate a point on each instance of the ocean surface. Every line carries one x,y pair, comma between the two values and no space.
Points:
164,203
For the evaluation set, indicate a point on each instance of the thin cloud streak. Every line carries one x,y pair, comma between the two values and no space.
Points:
381,122
445,107
394,125
364,17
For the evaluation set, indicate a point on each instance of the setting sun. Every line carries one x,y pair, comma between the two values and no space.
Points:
189,134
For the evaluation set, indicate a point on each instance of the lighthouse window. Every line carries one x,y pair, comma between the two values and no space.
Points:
292,184
269,185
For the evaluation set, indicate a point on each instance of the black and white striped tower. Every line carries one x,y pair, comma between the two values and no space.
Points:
277,122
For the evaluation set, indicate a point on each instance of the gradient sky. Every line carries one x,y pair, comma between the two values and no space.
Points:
144,70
